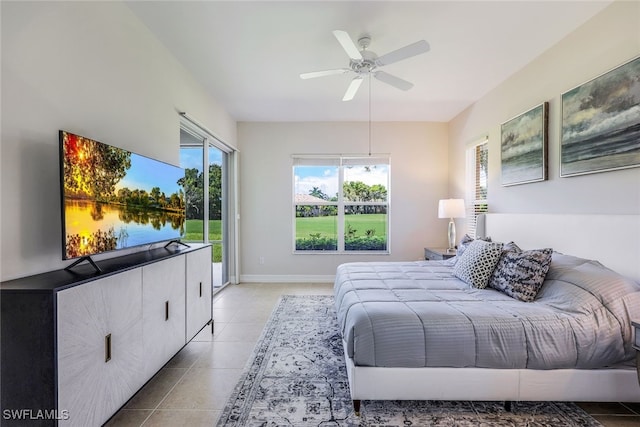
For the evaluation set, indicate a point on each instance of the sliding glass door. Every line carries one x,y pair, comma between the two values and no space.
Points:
206,205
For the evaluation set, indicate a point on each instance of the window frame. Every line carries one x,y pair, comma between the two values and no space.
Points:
341,162
475,203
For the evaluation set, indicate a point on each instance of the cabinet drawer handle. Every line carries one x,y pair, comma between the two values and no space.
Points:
200,289
107,348
166,310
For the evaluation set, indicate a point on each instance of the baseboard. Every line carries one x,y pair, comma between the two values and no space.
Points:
286,278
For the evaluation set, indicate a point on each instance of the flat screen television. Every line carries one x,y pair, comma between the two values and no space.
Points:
114,199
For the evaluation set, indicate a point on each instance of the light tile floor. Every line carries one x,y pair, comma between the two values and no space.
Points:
192,389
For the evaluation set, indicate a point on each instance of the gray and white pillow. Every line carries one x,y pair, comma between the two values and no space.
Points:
465,241
502,263
477,262
520,274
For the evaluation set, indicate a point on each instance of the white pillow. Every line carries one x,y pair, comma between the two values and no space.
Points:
477,263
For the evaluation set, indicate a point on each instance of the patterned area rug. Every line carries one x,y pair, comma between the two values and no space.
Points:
297,377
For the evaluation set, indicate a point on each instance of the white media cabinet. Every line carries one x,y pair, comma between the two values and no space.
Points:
76,345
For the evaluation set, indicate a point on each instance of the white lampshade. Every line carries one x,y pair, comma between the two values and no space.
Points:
451,208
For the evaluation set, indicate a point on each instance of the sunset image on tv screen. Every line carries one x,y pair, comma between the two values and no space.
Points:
114,199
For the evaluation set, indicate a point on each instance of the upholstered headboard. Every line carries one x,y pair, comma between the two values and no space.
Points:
613,240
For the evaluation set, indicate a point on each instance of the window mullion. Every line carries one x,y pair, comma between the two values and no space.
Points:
341,215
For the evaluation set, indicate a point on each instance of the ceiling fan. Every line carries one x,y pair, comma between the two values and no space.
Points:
365,62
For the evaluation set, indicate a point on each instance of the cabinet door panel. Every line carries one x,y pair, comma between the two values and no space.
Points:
163,327
198,290
90,388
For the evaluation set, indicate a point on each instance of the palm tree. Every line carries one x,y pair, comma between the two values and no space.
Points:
317,192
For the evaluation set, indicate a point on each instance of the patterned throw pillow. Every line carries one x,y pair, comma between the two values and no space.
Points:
465,241
502,262
477,263
520,274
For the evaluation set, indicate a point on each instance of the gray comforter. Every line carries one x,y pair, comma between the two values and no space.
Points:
417,314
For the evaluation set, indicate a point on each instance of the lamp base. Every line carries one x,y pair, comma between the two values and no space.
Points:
452,236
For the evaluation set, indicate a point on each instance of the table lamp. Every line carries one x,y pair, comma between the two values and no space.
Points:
451,208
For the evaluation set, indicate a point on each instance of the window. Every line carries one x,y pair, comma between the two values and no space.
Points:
341,204
476,193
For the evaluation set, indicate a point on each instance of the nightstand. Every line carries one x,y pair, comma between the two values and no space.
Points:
431,254
636,345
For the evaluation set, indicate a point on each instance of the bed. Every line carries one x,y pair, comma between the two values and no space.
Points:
446,340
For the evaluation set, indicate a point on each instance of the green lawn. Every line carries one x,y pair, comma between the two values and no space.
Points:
193,230
193,233
327,226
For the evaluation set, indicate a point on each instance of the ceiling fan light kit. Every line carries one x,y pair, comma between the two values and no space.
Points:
364,62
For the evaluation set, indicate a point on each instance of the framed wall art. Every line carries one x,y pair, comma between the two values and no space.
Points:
601,123
523,146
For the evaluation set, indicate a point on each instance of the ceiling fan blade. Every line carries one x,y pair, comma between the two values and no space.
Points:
315,74
348,45
393,80
352,89
403,53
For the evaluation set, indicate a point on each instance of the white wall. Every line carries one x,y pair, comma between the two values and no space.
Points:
418,180
90,68
606,41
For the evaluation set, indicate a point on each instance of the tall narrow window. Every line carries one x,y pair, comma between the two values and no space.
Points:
341,204
476,193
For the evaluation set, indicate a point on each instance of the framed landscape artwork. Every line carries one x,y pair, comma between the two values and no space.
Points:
523,146
601,123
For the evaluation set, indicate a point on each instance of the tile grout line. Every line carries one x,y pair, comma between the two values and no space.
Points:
153,411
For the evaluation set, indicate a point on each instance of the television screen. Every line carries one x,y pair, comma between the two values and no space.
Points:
114,199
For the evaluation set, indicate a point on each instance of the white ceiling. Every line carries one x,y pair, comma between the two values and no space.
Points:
249,54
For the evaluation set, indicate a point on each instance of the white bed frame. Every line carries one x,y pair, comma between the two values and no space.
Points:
614,240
